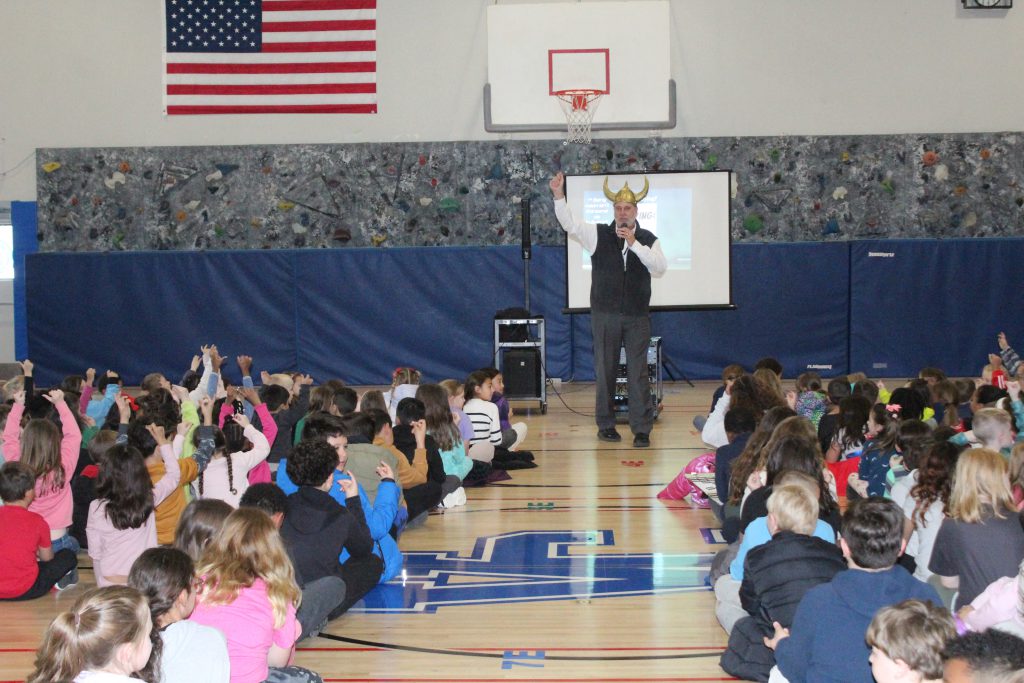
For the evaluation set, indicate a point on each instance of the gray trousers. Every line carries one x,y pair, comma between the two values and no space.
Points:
611,331
319,599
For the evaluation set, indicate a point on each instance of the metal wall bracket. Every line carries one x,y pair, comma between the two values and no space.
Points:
492,127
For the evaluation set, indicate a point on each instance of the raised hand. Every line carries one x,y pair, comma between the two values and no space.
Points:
244,364
241,419
1003,342
384,471
1013,388
557,185
124,410
158,433
206,407
54,396
90,376
251,395
26,367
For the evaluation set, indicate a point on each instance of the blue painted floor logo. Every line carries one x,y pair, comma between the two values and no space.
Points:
526,566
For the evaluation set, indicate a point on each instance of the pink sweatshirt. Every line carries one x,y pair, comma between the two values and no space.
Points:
215,478
996,604
260,474
54,506
113,551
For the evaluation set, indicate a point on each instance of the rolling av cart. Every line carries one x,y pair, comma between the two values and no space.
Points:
519,355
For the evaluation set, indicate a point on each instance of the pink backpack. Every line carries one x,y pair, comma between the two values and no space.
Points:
680,487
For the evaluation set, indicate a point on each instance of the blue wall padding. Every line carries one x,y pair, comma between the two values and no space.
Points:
358,313
933,302
24,227
791,303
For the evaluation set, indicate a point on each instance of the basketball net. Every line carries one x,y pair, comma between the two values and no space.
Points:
579,107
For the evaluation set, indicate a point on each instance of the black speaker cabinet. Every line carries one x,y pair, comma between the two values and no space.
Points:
521,370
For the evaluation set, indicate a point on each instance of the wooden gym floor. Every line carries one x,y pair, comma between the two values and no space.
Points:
569,572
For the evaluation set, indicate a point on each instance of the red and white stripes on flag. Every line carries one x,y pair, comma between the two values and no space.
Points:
313,57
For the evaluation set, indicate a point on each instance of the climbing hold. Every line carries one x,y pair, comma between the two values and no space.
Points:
114,180
839,194
181,216
888,186
426,201
986,153
831,227
929,158
941,172
449,204
377,240
753,223
51,166
124,167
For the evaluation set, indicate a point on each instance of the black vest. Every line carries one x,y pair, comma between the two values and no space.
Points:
614,288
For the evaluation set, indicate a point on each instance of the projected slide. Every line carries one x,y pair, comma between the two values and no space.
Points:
667,212
689,211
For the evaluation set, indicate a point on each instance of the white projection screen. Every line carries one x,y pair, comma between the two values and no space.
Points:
689,211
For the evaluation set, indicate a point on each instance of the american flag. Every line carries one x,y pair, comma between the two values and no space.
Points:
270,57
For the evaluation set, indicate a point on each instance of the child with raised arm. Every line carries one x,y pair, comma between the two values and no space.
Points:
139,436
52,454
122,522
227,475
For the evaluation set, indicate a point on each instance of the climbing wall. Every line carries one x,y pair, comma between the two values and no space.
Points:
469,193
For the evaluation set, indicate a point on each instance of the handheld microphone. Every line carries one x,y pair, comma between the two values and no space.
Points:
622,240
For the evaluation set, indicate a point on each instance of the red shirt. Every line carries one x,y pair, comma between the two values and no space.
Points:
21,534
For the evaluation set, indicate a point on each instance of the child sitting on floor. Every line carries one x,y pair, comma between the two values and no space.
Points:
777,575
907,640
828,629
30,568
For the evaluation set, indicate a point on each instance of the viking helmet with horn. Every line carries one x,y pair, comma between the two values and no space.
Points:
625,194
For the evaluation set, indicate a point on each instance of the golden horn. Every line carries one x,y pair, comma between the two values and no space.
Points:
643,193
607,192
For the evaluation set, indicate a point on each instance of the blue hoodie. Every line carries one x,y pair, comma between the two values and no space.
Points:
826,642
380,515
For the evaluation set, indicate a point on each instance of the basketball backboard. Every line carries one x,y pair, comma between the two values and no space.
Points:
537,50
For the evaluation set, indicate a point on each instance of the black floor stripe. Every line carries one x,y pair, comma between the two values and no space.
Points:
501,655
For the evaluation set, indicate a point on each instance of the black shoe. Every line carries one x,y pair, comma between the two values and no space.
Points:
641,440
609,435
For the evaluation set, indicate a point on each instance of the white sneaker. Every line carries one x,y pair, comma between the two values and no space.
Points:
455,498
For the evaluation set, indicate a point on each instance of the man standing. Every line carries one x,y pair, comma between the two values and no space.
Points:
624,258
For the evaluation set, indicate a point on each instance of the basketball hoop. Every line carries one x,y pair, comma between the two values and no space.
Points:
579,107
